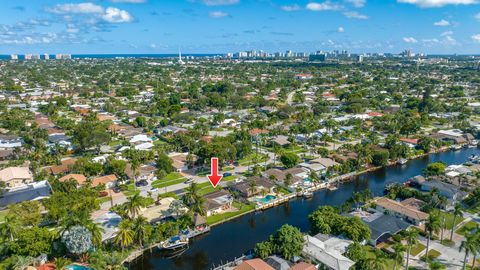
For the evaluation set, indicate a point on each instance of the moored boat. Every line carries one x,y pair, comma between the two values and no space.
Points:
173,243
402,161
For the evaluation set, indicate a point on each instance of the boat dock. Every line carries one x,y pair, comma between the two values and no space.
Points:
139,252
276,202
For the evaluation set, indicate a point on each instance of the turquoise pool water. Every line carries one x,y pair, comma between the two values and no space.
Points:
78,267
267,198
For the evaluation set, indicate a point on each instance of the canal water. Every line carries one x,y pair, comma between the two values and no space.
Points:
231,239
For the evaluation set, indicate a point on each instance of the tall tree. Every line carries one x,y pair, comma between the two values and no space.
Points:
457,212
432,225
411,237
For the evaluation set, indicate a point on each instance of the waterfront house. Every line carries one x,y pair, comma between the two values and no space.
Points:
303,266
280,176
16,176
263,185
452,192
218,202
328,251
403,211
382,226
254,264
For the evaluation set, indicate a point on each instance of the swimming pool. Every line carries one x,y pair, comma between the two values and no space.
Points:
267,199
77,267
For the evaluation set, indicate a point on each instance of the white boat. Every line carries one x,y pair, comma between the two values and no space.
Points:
456,147
307,194
173,243
402,161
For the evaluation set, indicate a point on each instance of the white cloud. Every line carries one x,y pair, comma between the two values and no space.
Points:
357,3
291,8
80,8
446,33
442,22
220,2
218,14
115,15
355,15
476,38
95,12
437,3
341,29
327,5
410,40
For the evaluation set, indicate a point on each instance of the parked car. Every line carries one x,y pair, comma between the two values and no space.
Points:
227,174
141,183
189,181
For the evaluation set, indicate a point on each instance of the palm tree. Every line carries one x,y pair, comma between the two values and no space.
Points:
61,263
124,235
432,225
399,249
411,237
252,187
470,245
378,262
193,199
457,212
141,229
134,203
96,230
9,228
23,262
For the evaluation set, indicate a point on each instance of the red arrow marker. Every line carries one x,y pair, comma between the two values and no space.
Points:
214,177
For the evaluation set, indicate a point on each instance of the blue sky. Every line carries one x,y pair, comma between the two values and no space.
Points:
221,26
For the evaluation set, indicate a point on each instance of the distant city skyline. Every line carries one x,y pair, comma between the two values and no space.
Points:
229,26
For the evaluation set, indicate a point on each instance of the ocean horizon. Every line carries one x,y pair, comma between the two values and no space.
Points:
117,55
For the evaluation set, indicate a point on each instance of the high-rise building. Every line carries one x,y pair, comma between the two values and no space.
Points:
46,56
14,56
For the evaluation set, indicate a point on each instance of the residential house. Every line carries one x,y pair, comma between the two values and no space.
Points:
383,226
10,141
16,176
262,185
218,202
403,211
80,178
32,191
327,251
109,180
64,167
254,264
452,192
180,161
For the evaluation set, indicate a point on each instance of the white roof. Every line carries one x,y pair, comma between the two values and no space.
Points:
140,138
451,132
328,252
144,146
15,173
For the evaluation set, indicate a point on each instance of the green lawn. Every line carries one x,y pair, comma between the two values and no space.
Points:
229,178
3,214
294,149
243,209
370,253
449,219
432,254
467,227
416,249
209,189
171,179
250,159
168,194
